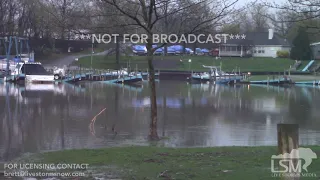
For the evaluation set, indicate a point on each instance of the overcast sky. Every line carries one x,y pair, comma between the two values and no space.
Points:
241,3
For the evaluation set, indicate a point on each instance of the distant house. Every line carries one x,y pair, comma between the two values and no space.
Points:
256,44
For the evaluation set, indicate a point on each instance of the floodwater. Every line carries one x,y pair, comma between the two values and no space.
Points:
38,118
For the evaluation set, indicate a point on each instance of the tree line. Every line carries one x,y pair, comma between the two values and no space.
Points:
61,19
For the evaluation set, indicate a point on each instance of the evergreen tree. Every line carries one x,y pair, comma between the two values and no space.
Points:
301,46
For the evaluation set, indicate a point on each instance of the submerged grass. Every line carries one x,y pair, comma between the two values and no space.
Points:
183,163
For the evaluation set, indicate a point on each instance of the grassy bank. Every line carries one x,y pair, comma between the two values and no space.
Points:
53,56
181,63
225,163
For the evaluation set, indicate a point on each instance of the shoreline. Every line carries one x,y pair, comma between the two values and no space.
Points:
148,162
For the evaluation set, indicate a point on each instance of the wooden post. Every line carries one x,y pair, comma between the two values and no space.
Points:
290,71
288,139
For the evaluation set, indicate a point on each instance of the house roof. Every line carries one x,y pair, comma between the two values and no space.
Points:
259,38
315,44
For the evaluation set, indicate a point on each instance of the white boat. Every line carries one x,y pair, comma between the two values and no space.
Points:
216,71
122,72
32,72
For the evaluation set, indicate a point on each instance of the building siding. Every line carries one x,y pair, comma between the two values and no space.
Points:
257,51
268,51
315,51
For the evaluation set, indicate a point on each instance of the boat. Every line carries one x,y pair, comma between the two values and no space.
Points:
31,72
145,75
125,80
216,74
121,72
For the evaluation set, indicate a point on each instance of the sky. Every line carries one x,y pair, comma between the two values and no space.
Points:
241,3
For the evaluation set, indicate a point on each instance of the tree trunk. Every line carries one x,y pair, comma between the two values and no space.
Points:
194,48
118,54
62,126
166,25
63,25
153,134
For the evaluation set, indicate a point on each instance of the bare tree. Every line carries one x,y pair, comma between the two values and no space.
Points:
146,14
292,15
258,14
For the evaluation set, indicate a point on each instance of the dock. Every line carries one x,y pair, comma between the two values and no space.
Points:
124,80
77,76
308,83
274,81
219,80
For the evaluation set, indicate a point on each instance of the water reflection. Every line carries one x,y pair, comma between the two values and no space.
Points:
59,116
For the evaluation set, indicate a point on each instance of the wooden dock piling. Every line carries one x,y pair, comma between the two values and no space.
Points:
288,139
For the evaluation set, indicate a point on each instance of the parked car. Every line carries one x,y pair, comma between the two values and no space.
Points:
139,49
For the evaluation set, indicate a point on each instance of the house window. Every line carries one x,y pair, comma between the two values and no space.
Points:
234,48
260,50
239,48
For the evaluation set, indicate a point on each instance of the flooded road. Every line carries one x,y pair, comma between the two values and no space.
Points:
53,117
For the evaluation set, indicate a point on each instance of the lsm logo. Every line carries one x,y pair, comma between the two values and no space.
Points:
290,165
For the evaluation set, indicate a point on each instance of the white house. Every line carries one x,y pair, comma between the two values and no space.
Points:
315,47
256,44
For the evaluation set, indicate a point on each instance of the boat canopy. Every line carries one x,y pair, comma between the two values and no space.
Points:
171,49
205,50
139,48
188,50
159,50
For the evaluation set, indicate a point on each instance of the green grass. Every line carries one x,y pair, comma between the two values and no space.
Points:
225,163
228,64
245,64
109,62
55,56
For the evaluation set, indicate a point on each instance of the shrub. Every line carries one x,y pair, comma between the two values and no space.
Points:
282,54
